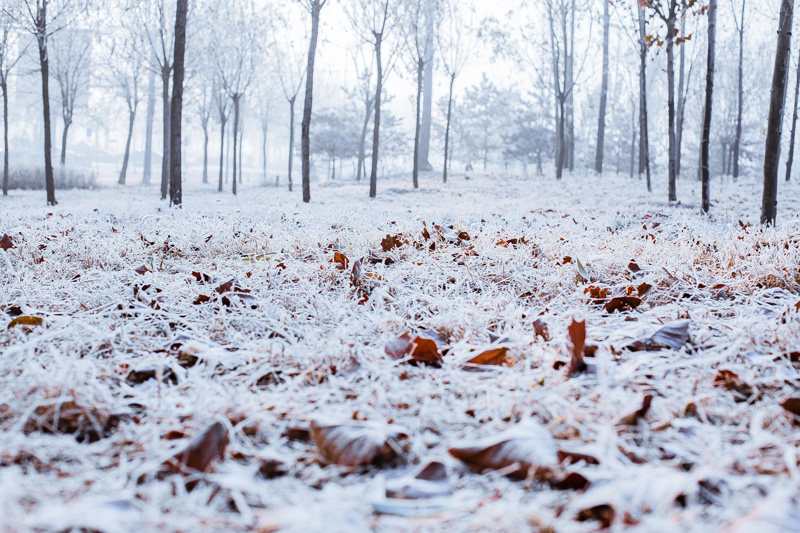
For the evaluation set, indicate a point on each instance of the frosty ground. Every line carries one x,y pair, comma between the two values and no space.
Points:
127,290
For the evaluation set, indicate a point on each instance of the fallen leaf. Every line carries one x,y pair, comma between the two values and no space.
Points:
142,270
577,339
429,482
419,349
792,406
26,321
622,303
582,271
672,335
725,379
6,243
633,418
540,329
359,443
390,242
495,357
570,481
340,261
522,452
200,454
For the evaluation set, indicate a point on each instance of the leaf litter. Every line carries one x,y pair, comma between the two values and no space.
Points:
282,397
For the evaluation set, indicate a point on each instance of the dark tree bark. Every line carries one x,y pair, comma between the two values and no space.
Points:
427,108
417,124
236,99
175,182
373,178
148,142
362,156
67,124
167,113
673,193
447,129
315,8
737,141
790,158
644,141
601,121
772,152
41,40
4,88
712,35
681,102
291,139
222,121
124,173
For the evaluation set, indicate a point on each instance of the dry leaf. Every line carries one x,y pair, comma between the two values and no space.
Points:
429,482
577,339
6,243
359,443
622,303
340,261
530,448
26,321
495,357
418,350
200,454
633,418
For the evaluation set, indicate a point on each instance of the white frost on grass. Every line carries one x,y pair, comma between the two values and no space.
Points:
300,347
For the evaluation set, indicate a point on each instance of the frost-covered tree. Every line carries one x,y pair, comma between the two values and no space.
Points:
12,49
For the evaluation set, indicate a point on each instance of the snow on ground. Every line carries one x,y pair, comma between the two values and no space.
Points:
85,433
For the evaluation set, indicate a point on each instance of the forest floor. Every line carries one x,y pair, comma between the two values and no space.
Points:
241,365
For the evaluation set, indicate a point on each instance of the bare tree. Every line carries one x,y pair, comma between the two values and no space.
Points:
314,7
71,54
772,152
235,54
125,76
712,28
601,121
418,56
151,111
44,18
156,18
455,39
364,93
740,90
222,106
287,54
427,86
176,178
374,20
12,49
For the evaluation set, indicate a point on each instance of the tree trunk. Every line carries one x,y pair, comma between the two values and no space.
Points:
241,150
562,152
175,182
790,159
167,111
264,154
447,128
673,194
148,139
4,88
644,140
222,123
737,142
67,124
205,153
569,84
772,152
601,121
236,98
633,136
681,101
373,178
124,173
291,139
316,6
417,125
427,109
41,37
712,31
361,144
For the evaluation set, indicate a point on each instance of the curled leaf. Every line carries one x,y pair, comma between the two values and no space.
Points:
340,261
26,321
622,303
357,444
631,419
201,452
418,350
495,357
577,339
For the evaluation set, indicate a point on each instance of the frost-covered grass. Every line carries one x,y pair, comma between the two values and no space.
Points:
300,346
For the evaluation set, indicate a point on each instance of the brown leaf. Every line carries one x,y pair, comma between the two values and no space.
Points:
142,270
6,243
622,303
571,481
419,349
340,261
633,418
201,299
202,278
393,241
430,482
643,289
540,329
602,513
725,379
495,357
532,450
792,405
358,443
577,339
26,321
85,422
200,454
